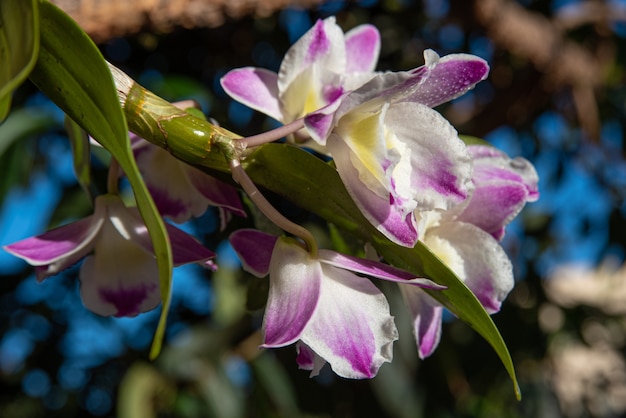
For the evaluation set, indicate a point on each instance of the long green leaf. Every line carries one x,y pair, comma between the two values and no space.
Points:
19,45
72,72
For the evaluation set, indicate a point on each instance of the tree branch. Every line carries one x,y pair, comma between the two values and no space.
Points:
103,20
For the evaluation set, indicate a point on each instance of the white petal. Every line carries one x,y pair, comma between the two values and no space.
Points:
352,328
121,278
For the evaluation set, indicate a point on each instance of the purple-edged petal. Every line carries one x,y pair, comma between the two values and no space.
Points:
447,78
352,328
257,88
375,269
391,220
121,278
308,360
493,206
254,249
362,48
439,173
492,164
295,286
323,45
58,243
426,314
486,269
503,186
310,74
62,247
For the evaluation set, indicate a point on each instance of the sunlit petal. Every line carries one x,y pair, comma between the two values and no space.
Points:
394,221
295,282
362,49
487,270
447,78
352,328
257,88
436,168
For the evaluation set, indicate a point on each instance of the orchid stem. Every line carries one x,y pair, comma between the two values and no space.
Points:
273,135
113,177
241,177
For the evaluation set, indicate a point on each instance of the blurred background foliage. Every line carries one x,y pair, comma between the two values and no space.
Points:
555,95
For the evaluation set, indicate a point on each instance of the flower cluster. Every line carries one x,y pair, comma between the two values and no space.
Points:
402,163
119,275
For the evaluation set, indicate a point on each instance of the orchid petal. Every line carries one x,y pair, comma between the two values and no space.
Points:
375,269
186,249
62,242
254,249
439,173
169,184
257,88
308,360
389,219
323,45
121,278
295,282
216,192
362,48
447,78
62,247
487,270
426,314
492,164
352,328
503,186
493,206
310,74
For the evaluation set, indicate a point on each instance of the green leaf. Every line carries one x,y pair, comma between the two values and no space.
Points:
72,72
81,155
19,45
288,171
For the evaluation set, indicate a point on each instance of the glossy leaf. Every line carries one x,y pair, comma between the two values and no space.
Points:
78,80
81,155
19,46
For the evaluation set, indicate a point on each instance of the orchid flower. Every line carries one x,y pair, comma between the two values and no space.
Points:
179,190
315,72
466,239
321,304
119,275
395,155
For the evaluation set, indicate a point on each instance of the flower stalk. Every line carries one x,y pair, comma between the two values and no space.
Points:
242,178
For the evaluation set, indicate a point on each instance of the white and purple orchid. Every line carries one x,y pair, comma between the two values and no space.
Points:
321,304
466,239
393,152
315,72
179,190
119,275
395,155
